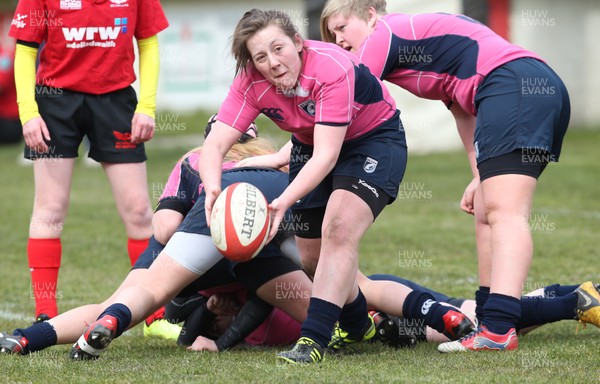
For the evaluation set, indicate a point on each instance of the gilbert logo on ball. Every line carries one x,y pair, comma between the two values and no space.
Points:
240,222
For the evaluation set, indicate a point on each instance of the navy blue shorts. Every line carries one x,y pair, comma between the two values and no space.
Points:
521,105
378,158
104,119
147,257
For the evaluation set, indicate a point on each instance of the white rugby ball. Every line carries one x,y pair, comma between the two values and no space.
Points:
240,222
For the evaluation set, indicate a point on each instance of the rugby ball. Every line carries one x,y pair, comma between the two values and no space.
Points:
240,222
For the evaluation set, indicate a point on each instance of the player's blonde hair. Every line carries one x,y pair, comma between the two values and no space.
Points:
252,22
239,151
359,8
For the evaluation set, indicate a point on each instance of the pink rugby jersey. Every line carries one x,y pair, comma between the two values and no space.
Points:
437,56
333,89
184,178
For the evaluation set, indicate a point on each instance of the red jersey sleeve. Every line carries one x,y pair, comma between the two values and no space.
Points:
29,21
151,19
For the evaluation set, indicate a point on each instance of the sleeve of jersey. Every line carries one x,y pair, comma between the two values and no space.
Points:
240,108
151,19
29,23
375,51
25,82
174,196
149,68
336,98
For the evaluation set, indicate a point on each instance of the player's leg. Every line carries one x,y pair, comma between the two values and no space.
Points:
188,254
415,304
309,253
44,249
335,291
53,171
123,161
289,292
68,326
483,237
130,190
517,135
160,283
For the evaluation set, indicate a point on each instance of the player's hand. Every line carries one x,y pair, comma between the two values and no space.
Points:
142,128
277,210
35,132
211,195
203,344
222,305
466,203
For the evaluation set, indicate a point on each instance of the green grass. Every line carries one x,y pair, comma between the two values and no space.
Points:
423,236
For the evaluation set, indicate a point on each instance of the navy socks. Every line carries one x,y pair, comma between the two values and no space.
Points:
320,321
121,313
481,297
538,310
39,335
501,313
422,305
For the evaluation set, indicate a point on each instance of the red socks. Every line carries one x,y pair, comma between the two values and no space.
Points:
158,315
135,248
44,261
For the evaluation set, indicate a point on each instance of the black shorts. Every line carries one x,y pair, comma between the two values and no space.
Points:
519,162
104,119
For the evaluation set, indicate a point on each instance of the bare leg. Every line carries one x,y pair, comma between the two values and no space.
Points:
386,296
71,324
335,277
130,189
507,201
309,253
162,282
289,292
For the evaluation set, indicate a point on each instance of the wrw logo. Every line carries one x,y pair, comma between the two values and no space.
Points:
91,33
95,33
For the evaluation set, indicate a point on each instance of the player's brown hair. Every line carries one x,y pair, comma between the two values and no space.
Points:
252,22
359,8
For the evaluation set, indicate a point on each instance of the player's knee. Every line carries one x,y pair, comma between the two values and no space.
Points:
50,215
163,232
138,214
339,233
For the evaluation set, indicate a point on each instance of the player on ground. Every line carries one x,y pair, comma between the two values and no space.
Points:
83,88
511,111
183,187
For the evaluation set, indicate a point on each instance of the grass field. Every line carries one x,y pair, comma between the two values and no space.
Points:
423,236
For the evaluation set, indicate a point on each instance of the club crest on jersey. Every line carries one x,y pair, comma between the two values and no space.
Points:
19,21
273,113
370,165
118,3
70,4
308,106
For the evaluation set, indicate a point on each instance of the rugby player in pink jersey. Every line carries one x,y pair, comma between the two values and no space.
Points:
511,111
82,87
347,159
